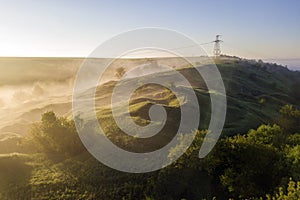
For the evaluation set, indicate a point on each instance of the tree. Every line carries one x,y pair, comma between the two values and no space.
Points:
55,134
120,72
289,119
269,135
291,193
293,157
246,168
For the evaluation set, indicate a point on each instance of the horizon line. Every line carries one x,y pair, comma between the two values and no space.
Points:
82,57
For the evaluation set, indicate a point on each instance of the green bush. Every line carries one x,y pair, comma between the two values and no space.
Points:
291,193
55,134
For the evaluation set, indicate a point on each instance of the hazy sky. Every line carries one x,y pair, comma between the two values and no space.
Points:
254,29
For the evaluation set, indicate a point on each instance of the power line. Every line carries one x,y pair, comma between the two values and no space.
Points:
183,47
190,46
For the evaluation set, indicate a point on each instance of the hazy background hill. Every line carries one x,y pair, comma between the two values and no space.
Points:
36,168
31,86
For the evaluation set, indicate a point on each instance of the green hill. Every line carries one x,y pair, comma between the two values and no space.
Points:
255,93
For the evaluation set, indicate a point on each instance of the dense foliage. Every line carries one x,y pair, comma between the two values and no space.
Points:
265,163
261,163
56,135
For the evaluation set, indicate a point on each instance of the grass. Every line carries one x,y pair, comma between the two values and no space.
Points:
254,96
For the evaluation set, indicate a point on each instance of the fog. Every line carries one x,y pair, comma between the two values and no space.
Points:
29,85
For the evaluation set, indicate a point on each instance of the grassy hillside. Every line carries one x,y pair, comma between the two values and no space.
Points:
251,87
255,93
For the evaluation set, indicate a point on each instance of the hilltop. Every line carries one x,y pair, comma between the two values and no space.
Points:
255,92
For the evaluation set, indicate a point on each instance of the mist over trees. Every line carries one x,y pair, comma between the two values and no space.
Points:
262,163
257,156
56,135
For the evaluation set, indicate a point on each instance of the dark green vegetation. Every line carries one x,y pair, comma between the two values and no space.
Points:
257,156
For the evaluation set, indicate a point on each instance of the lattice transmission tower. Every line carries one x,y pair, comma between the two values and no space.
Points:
217,47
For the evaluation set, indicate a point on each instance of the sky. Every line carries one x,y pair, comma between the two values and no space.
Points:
251,29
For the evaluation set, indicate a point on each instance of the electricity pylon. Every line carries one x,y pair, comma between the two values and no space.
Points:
217,48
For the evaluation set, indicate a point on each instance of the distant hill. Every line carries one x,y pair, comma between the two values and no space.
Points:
292,64
255,92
